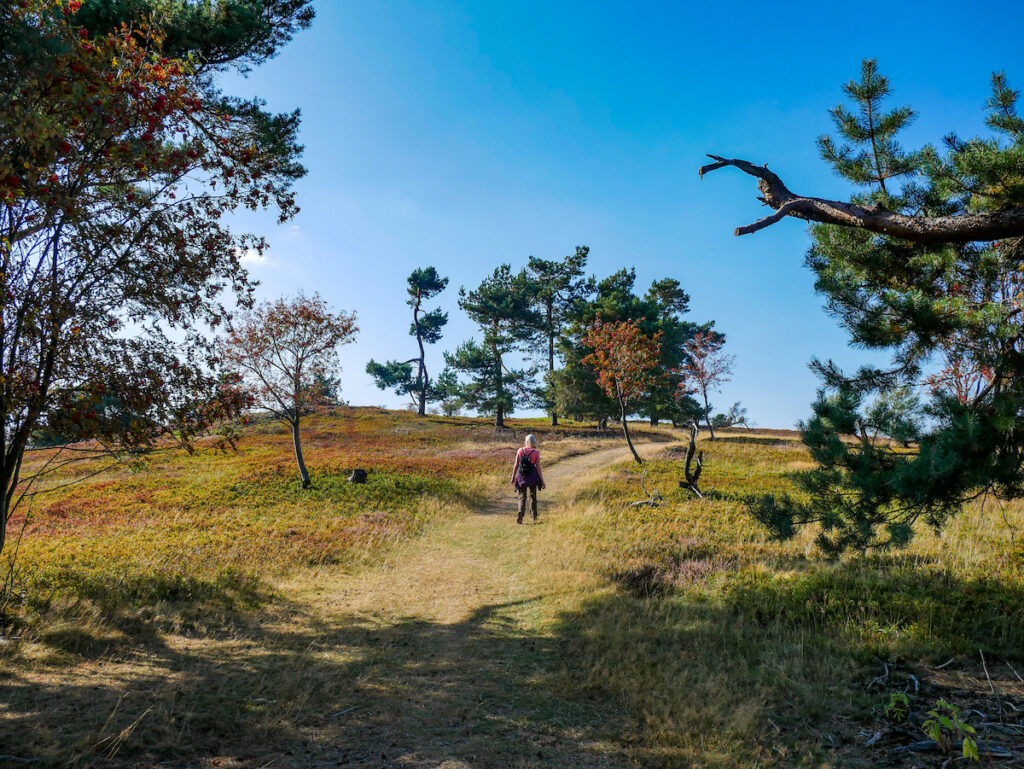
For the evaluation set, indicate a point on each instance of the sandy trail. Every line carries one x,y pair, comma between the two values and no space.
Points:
455,647
473,562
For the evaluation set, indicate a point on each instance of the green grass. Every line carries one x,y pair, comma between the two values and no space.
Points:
733,650
233,613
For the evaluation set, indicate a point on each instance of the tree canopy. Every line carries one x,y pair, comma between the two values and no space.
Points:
626,363
907,267
423,284
503,307
120,162
285,352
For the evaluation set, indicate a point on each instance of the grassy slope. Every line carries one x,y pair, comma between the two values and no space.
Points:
744,650
210,528
609,636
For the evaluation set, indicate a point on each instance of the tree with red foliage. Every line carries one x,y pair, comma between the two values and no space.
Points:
706,368
626,362
283,351
961,378
119,163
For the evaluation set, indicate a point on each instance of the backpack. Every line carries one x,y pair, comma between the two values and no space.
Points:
525,463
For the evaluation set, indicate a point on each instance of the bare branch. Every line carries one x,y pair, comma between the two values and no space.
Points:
982,226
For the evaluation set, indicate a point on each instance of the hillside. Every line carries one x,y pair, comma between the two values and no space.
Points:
205,611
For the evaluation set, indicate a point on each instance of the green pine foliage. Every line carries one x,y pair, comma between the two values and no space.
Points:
239,33
503,306
427,328
909,444
660,310
561,286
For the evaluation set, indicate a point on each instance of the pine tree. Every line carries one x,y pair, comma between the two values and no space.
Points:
872,156
561,287
503,306
949,312
659,311
667,399
423,284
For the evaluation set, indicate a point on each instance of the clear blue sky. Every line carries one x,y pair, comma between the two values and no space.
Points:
463,135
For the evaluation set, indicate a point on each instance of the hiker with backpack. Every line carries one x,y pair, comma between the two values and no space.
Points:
526,476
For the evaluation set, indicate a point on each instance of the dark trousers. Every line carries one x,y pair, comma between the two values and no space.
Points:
522,501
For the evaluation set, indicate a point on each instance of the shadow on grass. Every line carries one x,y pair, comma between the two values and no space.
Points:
891,604
87,613
646,676
622,682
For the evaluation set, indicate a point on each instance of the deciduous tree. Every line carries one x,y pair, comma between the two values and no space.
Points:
120,162
283,351
706,369
626,362
615,299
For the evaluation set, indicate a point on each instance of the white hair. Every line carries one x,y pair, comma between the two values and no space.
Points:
530,441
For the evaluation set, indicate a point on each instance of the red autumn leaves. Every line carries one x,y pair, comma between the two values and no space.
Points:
627,362
624,358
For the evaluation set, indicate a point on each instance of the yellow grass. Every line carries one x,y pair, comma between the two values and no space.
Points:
605,636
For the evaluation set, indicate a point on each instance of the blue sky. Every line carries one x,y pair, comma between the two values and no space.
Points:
464,135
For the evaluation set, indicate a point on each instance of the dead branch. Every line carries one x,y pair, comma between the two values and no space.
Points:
653,500
985,225
693,475
985,668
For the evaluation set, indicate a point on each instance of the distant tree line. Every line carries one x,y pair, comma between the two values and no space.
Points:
532,350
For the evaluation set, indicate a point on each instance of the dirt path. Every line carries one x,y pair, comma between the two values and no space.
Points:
459,651
476,561
455,649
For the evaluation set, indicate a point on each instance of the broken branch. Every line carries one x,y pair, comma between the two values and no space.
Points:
981,226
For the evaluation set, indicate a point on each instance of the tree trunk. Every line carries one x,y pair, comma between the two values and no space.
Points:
297,443
602,424
551,358
8,498
654,421
5,514
422,410
499,388
707,417
10,475
424,384
625,428
693,476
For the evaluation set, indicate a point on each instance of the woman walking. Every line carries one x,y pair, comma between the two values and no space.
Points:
526,476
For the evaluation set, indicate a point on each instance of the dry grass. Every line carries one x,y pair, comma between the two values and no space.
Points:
728,649
606,636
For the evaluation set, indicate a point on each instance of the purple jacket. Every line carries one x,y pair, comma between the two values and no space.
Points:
532,479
